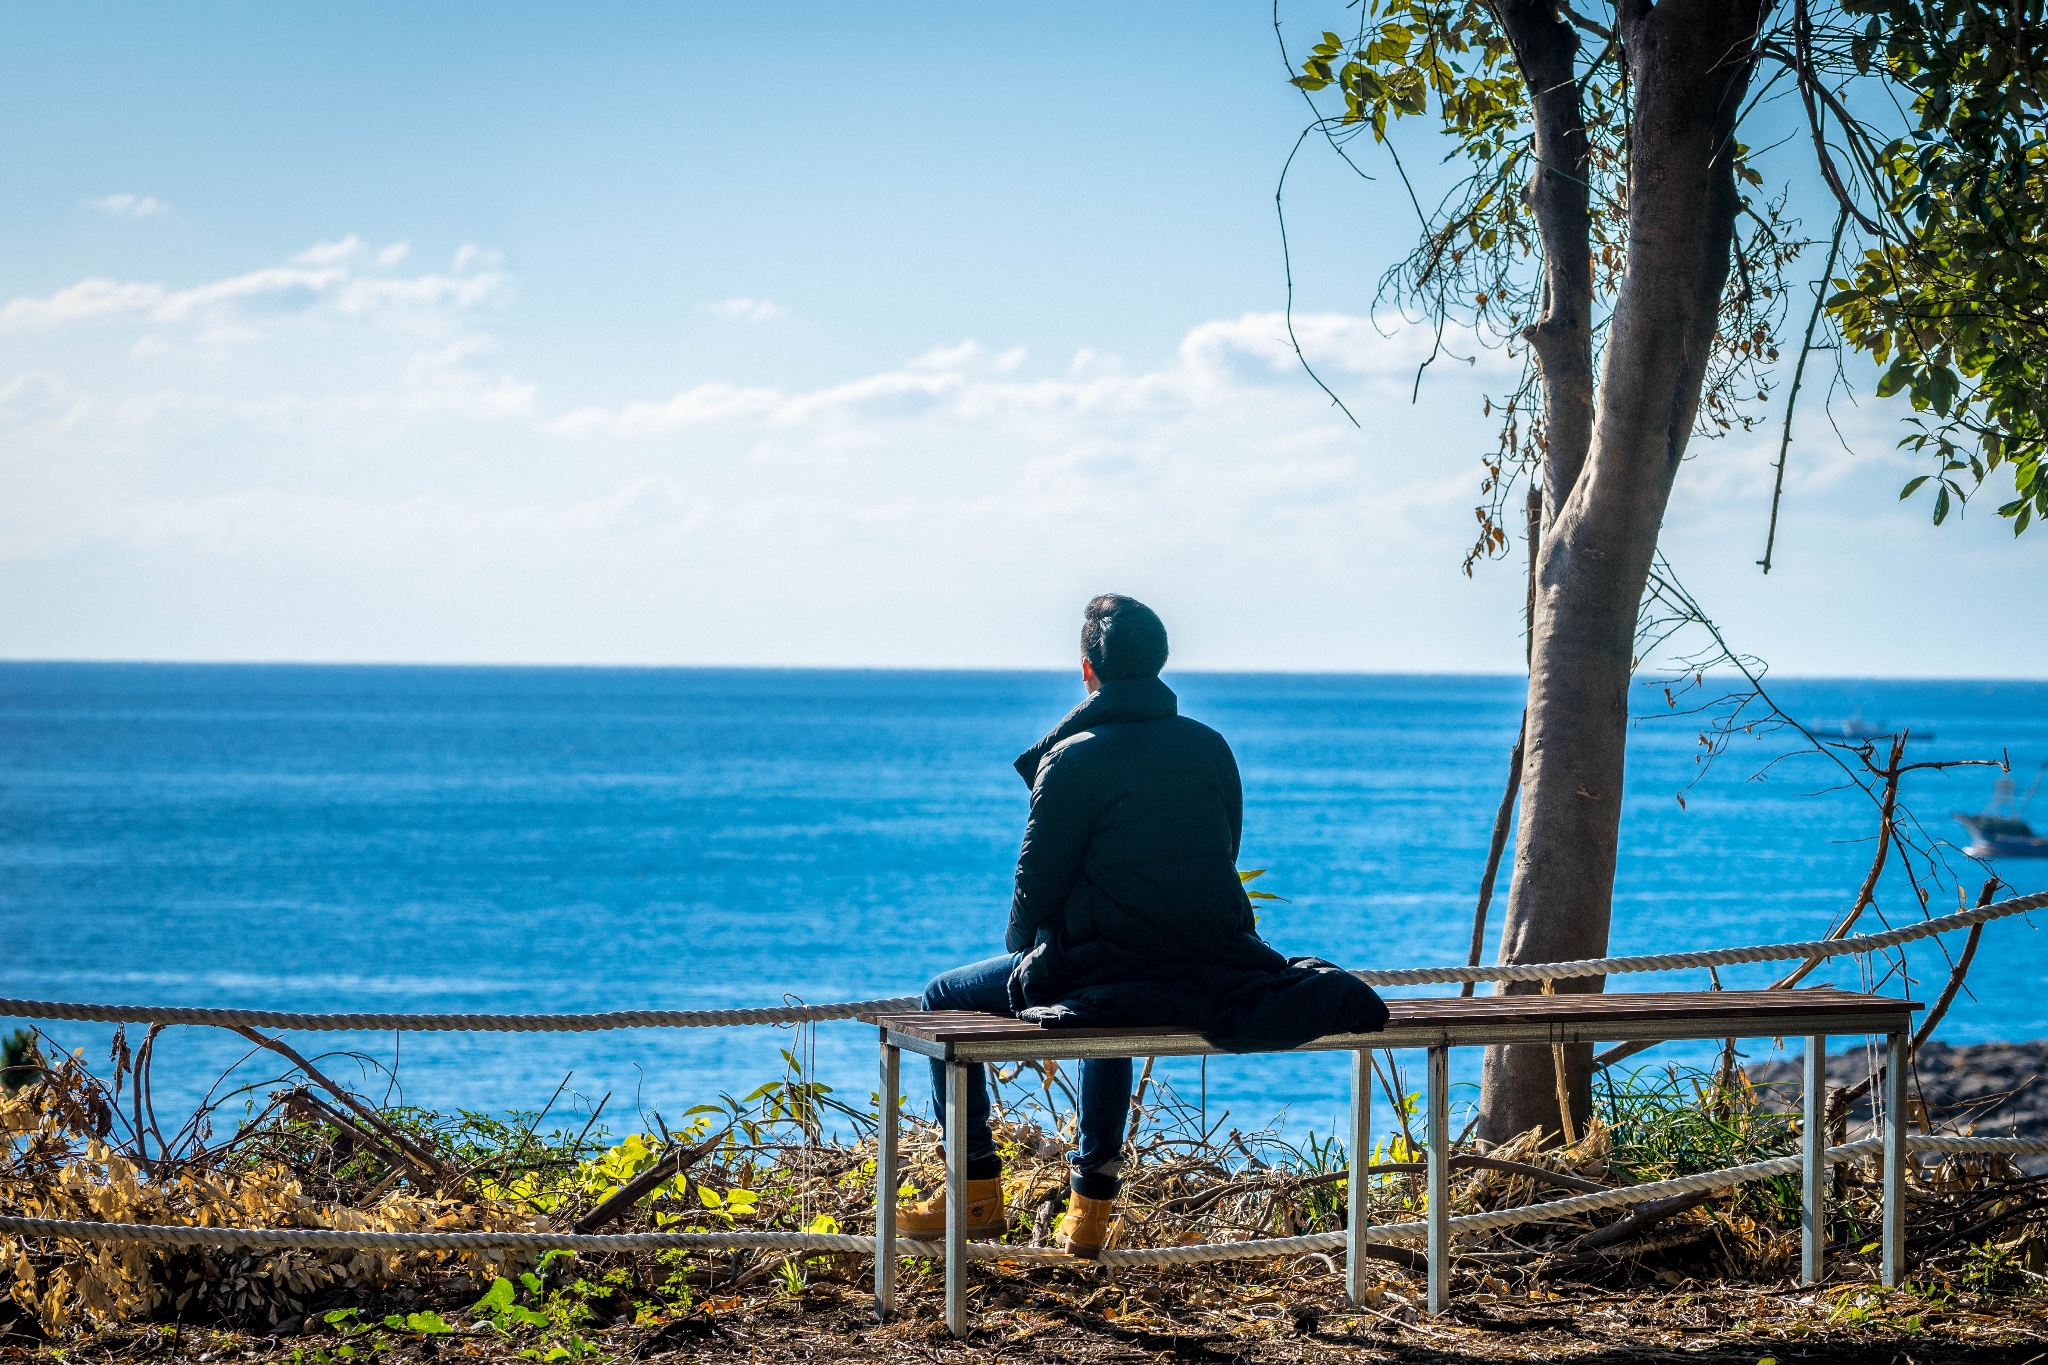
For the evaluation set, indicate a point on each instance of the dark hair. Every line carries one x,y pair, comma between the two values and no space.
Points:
1122,638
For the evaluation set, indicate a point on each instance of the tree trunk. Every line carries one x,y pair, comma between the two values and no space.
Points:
1689,63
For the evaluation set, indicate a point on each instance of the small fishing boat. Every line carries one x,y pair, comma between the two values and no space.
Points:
1856,729
2000,830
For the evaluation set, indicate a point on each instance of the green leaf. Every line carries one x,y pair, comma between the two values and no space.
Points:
1941,505
1942,385
1913,486
430,1323
496,1299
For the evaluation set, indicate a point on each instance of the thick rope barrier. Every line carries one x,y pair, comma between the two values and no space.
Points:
814,1243
806,1014
1710,957
450,1023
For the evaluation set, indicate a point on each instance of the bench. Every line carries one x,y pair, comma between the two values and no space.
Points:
963,1038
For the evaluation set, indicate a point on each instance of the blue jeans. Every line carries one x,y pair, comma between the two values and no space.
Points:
1105,1085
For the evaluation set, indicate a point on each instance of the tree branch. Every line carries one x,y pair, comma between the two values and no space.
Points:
1597,30
673,1162
425,1159
1886,812
1558,194
1850,1095
1798,373
1503,820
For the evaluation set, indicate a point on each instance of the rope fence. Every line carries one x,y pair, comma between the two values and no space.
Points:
449,1023
328,1239
813,1243
806,1014
1709,957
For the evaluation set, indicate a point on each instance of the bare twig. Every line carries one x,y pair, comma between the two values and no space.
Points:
1839,1104
425,1159
1138,1101
1886,821
1503,820
672,1163
1557,1075
1799,372
302,1104
1638,1222
1955,982
1466,1161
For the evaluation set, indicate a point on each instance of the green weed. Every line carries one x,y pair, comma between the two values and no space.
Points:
1679,1122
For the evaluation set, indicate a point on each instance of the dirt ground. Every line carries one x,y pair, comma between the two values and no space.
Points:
1091,1316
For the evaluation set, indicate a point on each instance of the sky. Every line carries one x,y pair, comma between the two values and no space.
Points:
873,336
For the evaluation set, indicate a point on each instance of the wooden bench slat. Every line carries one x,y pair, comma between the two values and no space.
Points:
1419,1021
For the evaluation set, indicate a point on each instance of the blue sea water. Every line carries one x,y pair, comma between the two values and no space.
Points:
554,839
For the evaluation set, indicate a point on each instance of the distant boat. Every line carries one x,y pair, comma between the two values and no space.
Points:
2000,830
1857,728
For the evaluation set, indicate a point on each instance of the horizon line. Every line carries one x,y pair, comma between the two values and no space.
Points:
992,669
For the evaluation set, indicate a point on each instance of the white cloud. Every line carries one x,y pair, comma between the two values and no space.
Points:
746,310
964,381
470,256
330,253
237,308
445,381
352,248
127,205
949,357
38,398
696,406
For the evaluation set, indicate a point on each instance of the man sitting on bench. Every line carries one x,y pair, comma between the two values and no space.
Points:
1128,910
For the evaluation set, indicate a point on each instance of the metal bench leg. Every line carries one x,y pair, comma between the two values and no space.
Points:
1895,1161
1439,1179
956,1198
1361,1157
1814,1164
886,1183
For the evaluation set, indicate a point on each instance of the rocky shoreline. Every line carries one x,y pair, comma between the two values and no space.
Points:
1991,1089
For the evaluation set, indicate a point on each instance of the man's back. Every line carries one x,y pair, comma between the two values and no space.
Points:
1129,862
1165,812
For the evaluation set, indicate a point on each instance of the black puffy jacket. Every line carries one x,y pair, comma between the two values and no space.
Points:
1128,905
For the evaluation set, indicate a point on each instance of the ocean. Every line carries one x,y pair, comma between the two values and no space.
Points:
554,839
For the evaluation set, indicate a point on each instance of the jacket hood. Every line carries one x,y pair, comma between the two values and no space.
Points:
1128,701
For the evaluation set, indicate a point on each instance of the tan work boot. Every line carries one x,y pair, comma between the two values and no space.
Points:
925,1220
1086,1226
